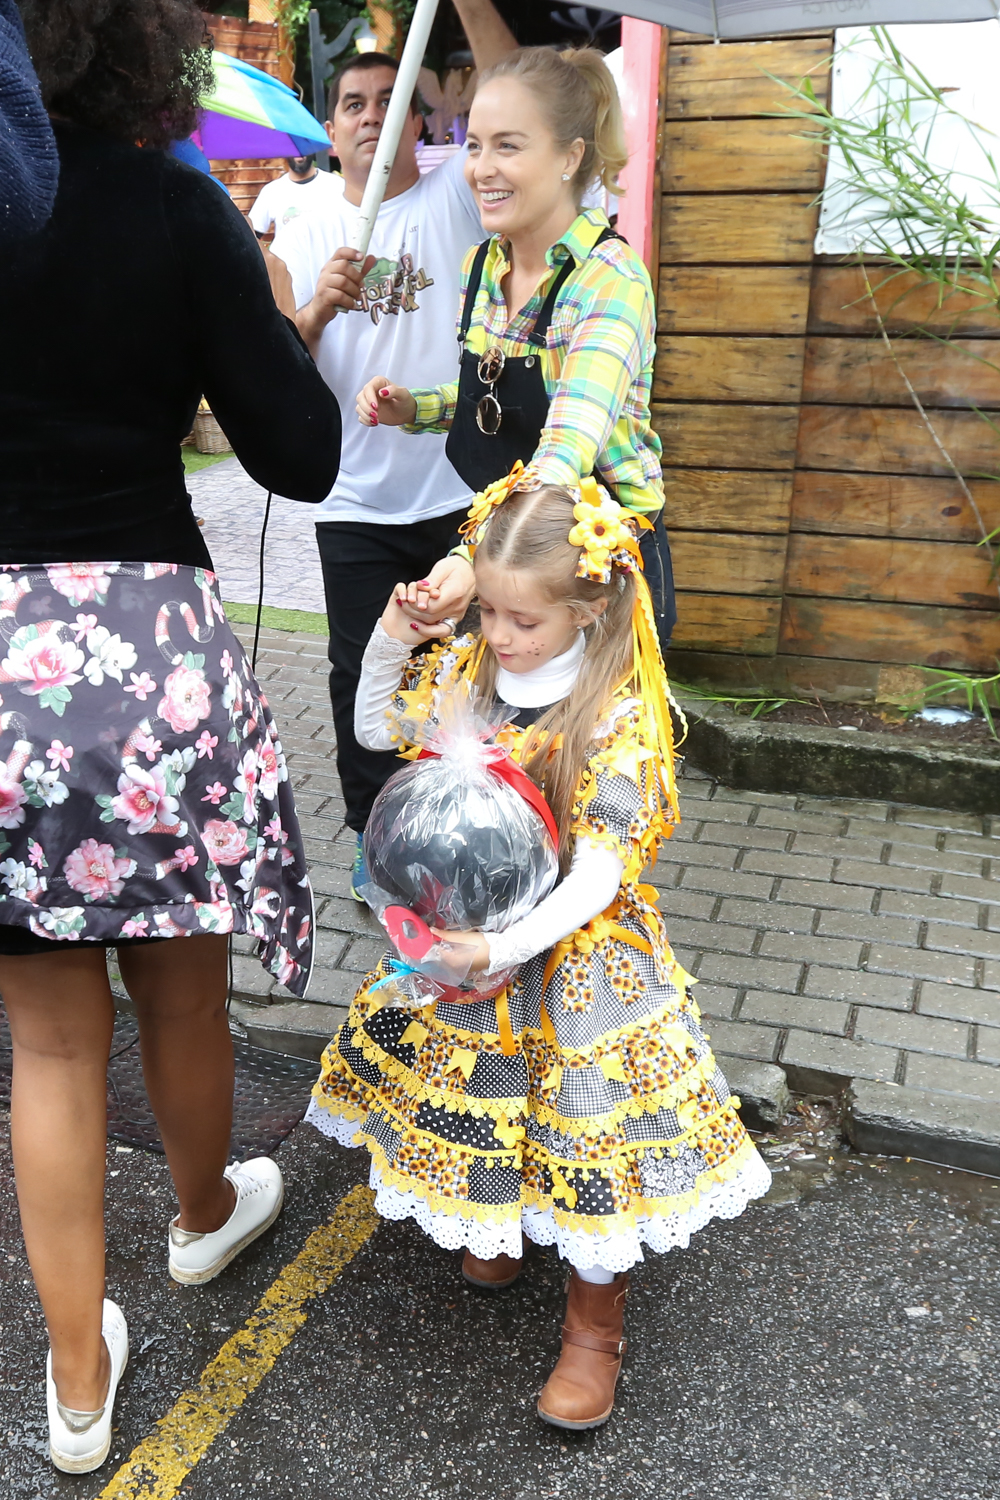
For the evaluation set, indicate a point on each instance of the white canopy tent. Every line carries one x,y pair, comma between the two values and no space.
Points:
739,18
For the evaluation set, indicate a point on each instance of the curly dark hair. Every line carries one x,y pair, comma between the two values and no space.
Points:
132,69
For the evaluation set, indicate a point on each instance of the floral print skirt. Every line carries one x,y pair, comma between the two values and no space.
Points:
143,789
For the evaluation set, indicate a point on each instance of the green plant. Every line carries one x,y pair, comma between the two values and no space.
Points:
982,694
758,703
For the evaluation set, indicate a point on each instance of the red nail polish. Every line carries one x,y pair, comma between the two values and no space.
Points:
384,392
414,625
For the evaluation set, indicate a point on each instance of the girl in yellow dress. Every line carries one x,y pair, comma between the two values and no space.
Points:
582,1107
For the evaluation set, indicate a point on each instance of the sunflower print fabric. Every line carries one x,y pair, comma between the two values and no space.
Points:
609,1127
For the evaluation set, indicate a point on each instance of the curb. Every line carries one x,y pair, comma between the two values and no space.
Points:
751,755
888,1120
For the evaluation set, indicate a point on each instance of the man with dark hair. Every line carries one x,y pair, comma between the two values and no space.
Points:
303,189
393,510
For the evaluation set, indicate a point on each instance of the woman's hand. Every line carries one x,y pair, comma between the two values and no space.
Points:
383,403
474,940
446,591
395,621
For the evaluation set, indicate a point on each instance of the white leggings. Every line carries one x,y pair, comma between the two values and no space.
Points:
596,1275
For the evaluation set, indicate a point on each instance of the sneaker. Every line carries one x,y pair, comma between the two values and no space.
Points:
260,1192
359,871
80,1441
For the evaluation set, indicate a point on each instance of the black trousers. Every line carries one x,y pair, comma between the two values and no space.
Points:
362,563
659,571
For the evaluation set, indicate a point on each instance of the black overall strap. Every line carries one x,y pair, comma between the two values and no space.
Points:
538,334
472,289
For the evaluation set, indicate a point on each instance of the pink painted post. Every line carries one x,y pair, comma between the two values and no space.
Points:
641,48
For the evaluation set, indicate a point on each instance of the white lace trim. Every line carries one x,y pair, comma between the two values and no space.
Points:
615,1252
384,650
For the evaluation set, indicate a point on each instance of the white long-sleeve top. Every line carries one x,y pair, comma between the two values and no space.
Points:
592,881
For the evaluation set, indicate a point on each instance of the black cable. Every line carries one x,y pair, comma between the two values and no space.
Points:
260,590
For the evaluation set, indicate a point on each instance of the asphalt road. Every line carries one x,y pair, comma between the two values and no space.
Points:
836,1343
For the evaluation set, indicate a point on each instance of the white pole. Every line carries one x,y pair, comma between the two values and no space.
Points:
395,118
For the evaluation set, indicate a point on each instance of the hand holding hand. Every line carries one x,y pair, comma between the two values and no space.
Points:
381,403
395,622
446,591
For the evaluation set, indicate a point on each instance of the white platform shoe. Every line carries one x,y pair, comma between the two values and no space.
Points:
80,1441
260,1193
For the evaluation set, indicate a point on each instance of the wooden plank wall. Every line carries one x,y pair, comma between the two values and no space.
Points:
820,545
255,42
736,237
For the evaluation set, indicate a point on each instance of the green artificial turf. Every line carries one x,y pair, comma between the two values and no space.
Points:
278,619
193,460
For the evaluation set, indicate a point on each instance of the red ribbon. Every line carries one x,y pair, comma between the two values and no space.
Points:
499,762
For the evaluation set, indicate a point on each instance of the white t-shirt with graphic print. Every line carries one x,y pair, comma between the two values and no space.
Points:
405,330
285,199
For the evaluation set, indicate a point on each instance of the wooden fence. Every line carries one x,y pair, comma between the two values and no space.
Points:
820,545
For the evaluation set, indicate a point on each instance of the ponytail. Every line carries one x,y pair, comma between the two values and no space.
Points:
578,97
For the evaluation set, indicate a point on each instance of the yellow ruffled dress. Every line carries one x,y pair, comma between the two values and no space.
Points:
583,1105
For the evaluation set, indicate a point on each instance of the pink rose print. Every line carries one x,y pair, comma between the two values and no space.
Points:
12,797
79,582
135,927
146,745
274,830
94,870
59,755
142,800
44,662
36,855
215,793
205,744
226,842
142,686
186,699
186,858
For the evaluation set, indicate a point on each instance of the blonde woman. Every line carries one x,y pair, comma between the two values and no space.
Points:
557,322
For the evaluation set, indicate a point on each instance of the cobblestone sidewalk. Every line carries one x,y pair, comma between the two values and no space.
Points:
840,939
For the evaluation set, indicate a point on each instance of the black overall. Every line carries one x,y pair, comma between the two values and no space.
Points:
480,458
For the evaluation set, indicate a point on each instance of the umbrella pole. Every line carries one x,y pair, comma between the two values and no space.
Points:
395,118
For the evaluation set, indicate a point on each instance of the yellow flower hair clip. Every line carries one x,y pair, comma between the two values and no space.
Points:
487,501
604,530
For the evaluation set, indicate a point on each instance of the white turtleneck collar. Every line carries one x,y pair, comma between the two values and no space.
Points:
545,685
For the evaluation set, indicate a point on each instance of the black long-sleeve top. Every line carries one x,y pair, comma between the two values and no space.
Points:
29,165
145,290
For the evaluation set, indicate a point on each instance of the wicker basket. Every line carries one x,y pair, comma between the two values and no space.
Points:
208,435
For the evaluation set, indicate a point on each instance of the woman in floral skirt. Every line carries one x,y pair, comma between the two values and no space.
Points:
143,792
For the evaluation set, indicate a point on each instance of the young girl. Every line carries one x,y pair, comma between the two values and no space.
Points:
595,1118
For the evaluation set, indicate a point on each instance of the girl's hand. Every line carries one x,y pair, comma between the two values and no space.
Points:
382,402
446,591
396,622
476,940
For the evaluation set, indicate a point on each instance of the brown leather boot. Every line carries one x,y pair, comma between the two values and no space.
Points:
491,1275
580,1392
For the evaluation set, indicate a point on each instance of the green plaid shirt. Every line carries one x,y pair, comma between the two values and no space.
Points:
597,367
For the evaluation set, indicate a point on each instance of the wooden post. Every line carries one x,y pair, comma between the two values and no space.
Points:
641,48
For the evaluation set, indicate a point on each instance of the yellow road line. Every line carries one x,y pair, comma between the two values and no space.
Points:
158,1466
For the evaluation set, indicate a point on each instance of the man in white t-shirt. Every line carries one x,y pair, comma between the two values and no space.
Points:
397,501
303,189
